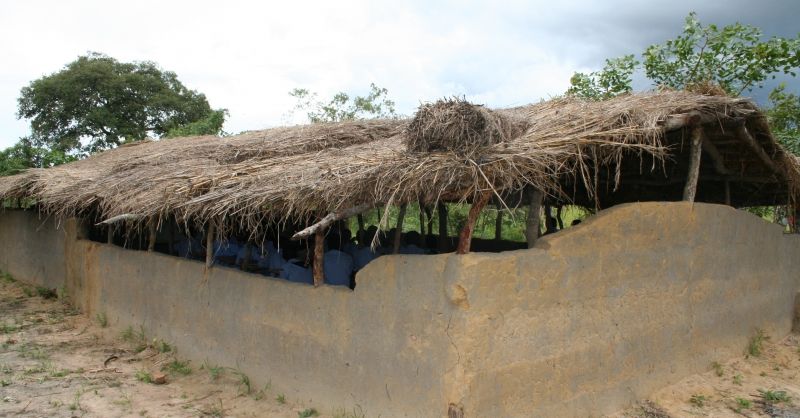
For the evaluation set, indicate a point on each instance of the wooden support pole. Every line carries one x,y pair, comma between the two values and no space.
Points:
550,223
442,244
171,231
210,244
361,230
110,234
532,223
727,192
398,232
422,240
153,233
246,260
429,215
465,237
319,254
498,225
690,189
559,218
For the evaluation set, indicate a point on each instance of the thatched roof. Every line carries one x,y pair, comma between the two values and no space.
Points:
627,148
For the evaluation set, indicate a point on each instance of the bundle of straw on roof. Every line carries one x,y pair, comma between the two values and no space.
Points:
458,126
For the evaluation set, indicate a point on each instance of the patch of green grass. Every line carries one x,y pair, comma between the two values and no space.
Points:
135,337
8,328
29,292
33,351
213,371
144,376
42,367
281,399
698,400
59,373
161,346
344,413
7,277
102,319
4,383
76,401
6,369
742,404
308,412
775,396
717,367
244,381
46,293
737,379
756,345
178,367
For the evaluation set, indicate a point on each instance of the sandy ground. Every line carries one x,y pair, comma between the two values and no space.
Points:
762,385
55,362
52,365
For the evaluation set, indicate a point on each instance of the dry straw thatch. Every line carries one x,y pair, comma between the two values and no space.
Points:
450,150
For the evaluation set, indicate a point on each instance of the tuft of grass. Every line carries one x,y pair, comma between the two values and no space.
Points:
698,400
213,371
7,277
161,346
344,413
742,404
281,399
28,291
4,383
8,328
263,392
102,319
737,379
244,381
178,367
774,396
135,337
144,376
756,345
717,367
308,412
46,293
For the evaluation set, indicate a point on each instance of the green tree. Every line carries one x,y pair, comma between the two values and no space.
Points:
97,102
614,79
24,155
784,118
736,57
341,107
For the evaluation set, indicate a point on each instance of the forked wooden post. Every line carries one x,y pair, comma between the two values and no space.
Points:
465,237
212,230
498,225
361,231
398,232
319,262
151,239
690,189
532,223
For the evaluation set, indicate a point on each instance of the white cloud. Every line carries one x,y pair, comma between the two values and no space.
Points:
246,56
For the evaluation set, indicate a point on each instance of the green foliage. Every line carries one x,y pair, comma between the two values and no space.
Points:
784,118
281,399
144,376
342,107
735,57
213,371
103,102
46,293
244,381
102,319
614,79
698,400
209,125
756,345
737,379
774,396
25,155
178,367
717,367
742,404
308,412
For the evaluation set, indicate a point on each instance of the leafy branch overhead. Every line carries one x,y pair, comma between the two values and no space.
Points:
341,107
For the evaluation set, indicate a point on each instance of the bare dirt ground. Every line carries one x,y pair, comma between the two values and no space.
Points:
764,382
55,362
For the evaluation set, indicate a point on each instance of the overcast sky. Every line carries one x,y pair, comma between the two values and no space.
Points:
246,56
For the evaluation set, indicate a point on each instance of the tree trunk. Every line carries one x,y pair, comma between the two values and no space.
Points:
465,237
533,220
690,190
319,251
398,232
